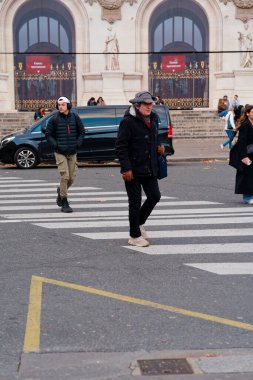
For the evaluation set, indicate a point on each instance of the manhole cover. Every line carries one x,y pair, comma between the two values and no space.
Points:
164,367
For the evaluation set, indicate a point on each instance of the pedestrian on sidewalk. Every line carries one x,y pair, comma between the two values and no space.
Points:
137,147
223,105
230,127
244,177
65,133
235,102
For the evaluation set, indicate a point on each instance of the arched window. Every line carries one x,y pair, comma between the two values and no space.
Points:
177,29
179,25
34,29
43,29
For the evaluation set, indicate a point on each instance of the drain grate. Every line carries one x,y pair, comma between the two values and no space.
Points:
164,367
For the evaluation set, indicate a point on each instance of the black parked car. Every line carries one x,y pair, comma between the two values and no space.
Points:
29,147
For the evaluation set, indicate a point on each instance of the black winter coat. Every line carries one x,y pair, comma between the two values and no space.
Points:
244,178
65,133
136,144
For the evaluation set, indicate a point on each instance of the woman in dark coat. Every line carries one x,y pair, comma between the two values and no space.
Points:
244,177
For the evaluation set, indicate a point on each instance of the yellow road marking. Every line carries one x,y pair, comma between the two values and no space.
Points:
32,336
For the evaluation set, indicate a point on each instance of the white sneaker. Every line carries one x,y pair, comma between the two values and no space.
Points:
143,232
138,242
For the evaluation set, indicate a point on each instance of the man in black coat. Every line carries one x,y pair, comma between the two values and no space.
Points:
65,133
137,147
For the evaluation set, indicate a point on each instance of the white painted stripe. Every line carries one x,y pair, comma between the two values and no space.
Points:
54,206
52,193
171,234
85,206
72,218
225,268
100,204
10,178
94,199
53,189
80,199
11,221
171,222
29,181
182,212
16,185
42,217
193,249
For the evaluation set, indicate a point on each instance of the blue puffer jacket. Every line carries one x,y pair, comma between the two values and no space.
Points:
65,133
136,144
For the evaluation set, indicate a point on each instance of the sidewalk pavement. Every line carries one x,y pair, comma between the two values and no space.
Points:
199,149
231,364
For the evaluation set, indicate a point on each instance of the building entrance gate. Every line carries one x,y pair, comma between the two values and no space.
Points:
179,64
45,67
39,79
182,81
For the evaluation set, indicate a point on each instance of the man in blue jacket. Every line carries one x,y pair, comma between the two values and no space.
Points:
137,147
65,133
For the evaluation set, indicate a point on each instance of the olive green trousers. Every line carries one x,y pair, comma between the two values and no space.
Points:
67,168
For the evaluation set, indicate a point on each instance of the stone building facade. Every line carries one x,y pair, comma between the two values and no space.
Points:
190,52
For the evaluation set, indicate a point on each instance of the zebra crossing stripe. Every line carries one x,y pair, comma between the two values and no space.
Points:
170,234
13,185
225,268
49,194
171,222
32,185
193,249
28,181
102,203
70,217
76,199
53,189
8,178
161,212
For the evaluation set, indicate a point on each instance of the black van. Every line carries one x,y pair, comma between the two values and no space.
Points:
29,147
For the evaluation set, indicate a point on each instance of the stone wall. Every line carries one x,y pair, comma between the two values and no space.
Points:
186,124
16,121
196,124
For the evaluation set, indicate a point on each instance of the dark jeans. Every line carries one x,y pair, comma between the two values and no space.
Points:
138,214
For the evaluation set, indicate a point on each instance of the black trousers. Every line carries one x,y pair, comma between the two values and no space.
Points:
138,213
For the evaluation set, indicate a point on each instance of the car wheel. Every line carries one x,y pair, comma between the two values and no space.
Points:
26,158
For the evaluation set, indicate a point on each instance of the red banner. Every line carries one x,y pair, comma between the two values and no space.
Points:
173,63
38,64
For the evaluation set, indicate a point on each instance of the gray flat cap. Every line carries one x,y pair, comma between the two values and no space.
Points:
143,97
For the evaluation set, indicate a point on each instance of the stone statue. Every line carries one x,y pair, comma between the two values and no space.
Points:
111,51
245,42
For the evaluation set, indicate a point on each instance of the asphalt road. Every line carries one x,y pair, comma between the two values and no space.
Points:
78,283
